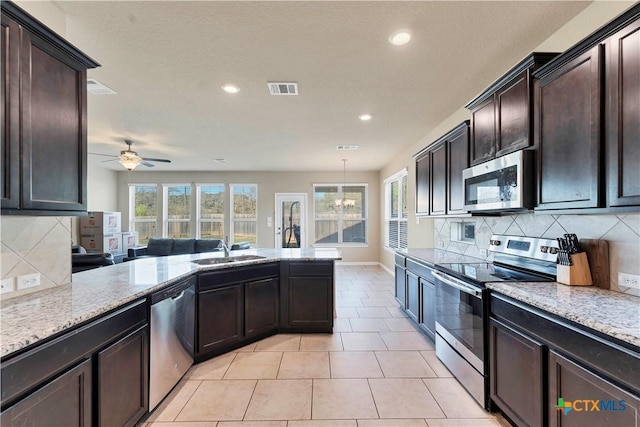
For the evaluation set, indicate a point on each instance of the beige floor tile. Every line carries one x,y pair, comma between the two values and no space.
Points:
368,325
178,424
454,399
341,325
218,400
349,302
304,364
396,311
467,422
406,341
280,342
354,294
323,423
401,324
404,398
404,364
373,312
435,363
377,302
171,406
250,424
386,294
246,348
259,365
346,312
354,364
362,341
280,400
342,399
212,369
321,342
411,422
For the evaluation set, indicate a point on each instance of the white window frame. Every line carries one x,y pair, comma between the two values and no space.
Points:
165,208
340,195
397,177
199,219
232,218
132,206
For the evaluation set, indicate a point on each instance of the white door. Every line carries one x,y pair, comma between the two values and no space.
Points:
291,220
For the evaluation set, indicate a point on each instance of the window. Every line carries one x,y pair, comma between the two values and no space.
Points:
143,210
176,217
340,223
244,213
210,211
396,210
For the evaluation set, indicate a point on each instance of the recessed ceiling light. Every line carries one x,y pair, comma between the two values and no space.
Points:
219,160
400,37
365,117
230,88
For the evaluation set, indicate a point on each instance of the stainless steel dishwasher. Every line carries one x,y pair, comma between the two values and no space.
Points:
172,337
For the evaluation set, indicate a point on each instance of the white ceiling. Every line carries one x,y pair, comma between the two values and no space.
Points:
167,61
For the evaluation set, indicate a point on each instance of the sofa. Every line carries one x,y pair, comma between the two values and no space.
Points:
81,260
165,247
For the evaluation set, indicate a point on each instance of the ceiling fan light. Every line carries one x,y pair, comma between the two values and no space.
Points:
129,162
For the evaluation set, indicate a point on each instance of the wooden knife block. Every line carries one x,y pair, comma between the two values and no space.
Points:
577,274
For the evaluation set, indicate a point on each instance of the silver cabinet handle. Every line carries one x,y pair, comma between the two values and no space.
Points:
458,285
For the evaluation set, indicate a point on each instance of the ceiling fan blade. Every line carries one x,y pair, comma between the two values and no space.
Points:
147,164
155,160
106,155
110,160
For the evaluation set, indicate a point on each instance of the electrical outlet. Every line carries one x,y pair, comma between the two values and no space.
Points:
28,281
627,280
6,285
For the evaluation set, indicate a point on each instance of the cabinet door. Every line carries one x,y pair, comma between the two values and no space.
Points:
567,120
311,302
54,140
483,132
457,161
123,380
623,120
65,401
220,318
401,286
516,372
423,180
438,190
413,295
261,306
513,124
428,307
570,383
9,114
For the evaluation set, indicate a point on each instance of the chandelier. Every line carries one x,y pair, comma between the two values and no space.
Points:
344,202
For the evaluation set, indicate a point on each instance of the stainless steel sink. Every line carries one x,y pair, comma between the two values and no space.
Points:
227,259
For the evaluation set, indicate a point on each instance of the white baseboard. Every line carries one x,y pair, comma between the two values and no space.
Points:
385,268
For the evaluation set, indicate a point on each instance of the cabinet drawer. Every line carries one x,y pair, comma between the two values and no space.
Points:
24,372
309,269
214,279
421,270
401,260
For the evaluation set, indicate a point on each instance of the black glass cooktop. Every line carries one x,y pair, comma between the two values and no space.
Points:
487,272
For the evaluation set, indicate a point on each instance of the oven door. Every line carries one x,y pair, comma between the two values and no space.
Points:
460,318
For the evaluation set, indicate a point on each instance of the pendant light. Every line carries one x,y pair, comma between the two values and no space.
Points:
344,202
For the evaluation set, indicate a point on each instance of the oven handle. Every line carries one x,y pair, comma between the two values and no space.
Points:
458,285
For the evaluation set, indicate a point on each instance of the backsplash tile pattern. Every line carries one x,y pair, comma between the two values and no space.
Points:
622,232
35,245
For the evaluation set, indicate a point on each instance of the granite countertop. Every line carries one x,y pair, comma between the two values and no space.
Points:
28,319
612,313
436,256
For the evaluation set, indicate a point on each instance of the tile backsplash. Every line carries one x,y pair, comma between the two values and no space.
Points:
35,245
622,232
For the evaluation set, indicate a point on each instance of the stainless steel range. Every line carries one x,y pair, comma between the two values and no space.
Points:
462,311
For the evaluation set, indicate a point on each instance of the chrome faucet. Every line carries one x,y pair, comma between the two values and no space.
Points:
225,246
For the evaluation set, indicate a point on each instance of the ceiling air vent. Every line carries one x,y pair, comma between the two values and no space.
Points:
347,147
97,88
283,88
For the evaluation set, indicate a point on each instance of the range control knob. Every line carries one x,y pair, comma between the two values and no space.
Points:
495,242
544,249
553,250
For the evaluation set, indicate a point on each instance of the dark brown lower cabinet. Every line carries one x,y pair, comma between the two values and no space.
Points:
311,302
123,396
220,318
66,401
401,286
413,296
428,308
595,402
516,372
261,307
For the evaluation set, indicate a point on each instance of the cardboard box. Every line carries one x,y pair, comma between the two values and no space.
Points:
99,243
129,240
101,223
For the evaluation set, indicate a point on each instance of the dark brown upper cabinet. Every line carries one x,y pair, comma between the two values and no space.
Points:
40,69
587,122
439,173
501,116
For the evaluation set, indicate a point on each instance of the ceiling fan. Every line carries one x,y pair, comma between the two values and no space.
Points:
130,159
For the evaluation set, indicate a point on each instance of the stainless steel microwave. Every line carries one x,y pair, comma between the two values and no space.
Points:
502,184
